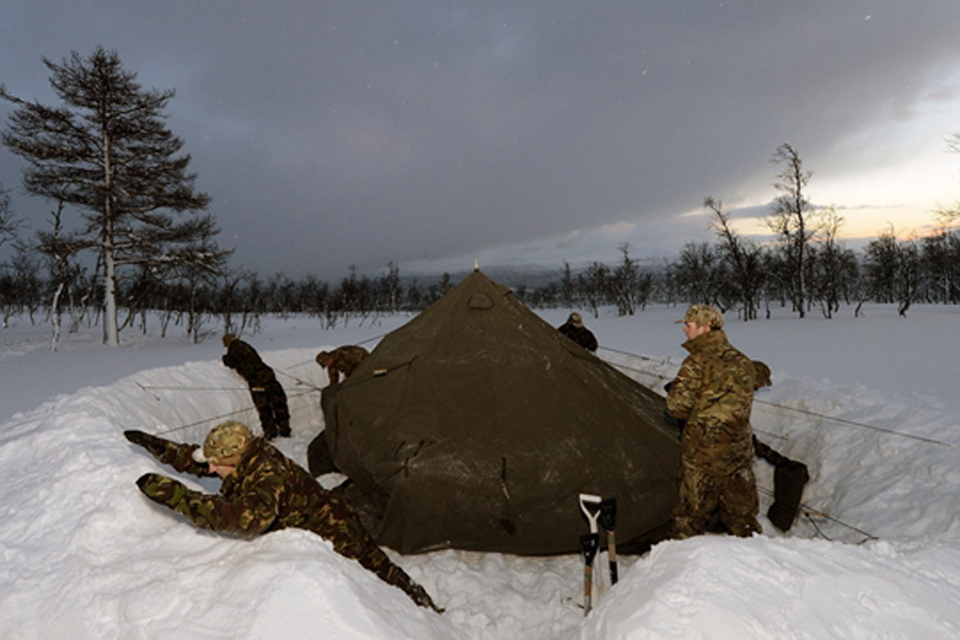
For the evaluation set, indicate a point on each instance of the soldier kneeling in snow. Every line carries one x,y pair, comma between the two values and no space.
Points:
262,491
342,360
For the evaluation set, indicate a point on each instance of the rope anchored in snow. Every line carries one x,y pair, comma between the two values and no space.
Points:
809,513
776,405
222,416
854,423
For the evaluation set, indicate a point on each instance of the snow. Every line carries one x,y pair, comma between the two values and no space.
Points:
869,404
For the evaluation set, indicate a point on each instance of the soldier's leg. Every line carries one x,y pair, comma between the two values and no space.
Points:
279,408
696,502
262,403
739,503
352,540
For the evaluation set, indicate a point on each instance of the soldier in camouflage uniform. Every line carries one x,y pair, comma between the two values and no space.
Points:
262,491
342,360
268,394
713,394
762,372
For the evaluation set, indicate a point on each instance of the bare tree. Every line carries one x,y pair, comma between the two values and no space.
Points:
941,261
594,285
626,282
391,292
108,151
699,275
744,258
790,220
568,287
880,267
9,223
60,250
833,267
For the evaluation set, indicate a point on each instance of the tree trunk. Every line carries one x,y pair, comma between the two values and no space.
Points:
111,333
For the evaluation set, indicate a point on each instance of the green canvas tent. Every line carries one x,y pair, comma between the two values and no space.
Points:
477,425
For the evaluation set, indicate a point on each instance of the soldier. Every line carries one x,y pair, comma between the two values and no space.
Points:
342,360
268,394
789,476
713,394
574,329
762,372
262,491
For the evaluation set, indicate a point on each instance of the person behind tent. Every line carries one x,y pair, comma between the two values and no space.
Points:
268,394
713,395
262,491
574,329
789,476
341,361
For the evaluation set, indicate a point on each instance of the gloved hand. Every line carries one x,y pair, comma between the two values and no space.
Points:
161,489
153,444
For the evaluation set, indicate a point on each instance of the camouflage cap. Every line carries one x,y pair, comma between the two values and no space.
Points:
225,443
575,319
228,338
704,315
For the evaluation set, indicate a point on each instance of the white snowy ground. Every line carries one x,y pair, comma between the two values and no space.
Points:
86,556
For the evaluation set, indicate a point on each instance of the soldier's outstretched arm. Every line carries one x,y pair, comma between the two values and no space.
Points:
249,515
177,455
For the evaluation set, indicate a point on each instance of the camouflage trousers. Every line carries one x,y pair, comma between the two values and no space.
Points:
716,499
338,524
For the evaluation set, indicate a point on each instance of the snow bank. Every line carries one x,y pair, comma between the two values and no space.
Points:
86,556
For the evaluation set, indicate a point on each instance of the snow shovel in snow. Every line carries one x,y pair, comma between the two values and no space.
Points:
588,549
608,520
590,505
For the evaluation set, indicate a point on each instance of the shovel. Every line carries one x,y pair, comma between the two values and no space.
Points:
588,549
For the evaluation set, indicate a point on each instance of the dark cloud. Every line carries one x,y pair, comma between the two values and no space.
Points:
338,133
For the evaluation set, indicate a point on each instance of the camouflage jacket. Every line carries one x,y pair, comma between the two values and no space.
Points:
713,393
243,358
267,492
346,359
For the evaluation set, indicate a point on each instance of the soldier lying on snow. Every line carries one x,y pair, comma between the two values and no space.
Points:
262,491
341,361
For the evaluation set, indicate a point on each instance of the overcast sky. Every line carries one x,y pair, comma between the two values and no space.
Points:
346,133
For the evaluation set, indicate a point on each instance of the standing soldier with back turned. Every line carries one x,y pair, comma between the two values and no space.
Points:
268,394
713,394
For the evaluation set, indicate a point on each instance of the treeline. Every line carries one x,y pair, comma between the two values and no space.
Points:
888,270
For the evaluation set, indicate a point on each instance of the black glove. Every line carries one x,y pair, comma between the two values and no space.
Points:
153,444
161,489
